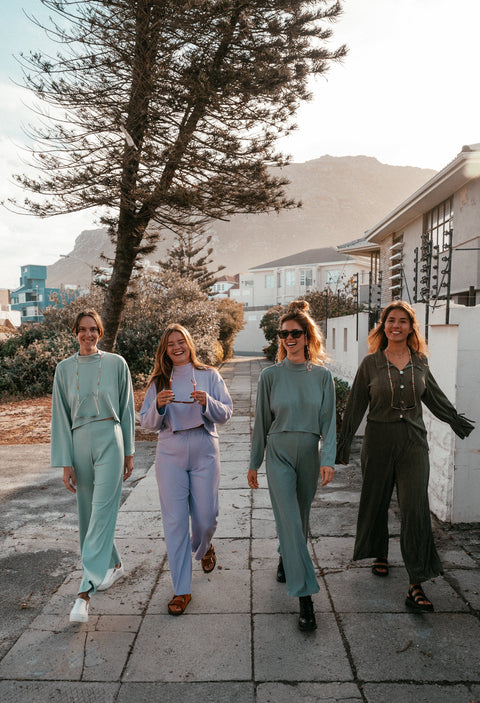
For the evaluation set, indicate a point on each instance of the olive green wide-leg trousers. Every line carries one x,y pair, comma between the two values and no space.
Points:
293,467
98,463
393,455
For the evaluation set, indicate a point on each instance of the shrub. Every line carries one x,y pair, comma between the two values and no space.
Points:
342,391
231,320
270,323
28,369
28,361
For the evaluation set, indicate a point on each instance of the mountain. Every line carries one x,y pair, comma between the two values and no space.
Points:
341,198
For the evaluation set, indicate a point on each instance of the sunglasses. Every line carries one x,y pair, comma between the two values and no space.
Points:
295,334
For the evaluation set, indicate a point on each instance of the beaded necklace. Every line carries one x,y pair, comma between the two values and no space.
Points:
86,399
392,385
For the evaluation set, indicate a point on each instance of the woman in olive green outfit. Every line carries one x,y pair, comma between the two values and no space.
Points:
392,381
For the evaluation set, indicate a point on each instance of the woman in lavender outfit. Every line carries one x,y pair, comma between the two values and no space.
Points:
185,400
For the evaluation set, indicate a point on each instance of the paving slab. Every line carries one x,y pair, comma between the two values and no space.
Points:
411,693
145,496
468,584
298,656
263,524
338,522
422,647
57,692
234,513
144,523
221,591
270,596
211,692
308,693
39,654
265,554
358,590
213,647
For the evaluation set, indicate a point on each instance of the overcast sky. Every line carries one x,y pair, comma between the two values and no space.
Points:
407,94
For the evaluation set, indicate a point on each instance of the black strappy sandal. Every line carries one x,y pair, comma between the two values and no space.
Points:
380,566
417,600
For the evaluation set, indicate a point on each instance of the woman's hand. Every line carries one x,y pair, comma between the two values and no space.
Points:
199,397
326,472
128,466
69,479
252,478
165,397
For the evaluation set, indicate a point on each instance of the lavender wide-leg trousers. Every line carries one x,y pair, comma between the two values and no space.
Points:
188,475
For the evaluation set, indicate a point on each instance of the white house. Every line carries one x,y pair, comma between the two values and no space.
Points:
223,286
283,280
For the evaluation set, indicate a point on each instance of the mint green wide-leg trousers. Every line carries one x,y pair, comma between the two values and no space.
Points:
98,463
293,466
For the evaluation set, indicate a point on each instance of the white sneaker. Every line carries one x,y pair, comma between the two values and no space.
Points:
111,576
79,612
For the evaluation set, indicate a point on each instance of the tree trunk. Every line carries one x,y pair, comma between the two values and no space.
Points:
125,257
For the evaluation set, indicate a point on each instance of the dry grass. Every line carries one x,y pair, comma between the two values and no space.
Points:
28,421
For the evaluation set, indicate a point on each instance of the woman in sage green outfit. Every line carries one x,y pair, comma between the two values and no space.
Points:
295,409
392,381
93,439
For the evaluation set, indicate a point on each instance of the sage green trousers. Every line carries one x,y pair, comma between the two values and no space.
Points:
293,467
98,464
393,455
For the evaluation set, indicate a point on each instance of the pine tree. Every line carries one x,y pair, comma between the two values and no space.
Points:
165,114
190,258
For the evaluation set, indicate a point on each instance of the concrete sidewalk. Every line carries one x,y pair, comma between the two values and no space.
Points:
238,640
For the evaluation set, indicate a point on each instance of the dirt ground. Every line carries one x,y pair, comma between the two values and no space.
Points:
28,421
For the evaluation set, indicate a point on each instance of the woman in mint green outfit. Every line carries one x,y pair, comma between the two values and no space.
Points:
295,410
93,424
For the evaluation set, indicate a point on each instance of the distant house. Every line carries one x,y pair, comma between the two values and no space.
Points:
7,330
8,318
32,296
282,280
223,286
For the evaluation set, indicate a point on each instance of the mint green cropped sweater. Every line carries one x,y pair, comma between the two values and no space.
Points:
104,390
291,398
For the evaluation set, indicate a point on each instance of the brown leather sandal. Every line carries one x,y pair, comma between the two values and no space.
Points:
209,560
178,604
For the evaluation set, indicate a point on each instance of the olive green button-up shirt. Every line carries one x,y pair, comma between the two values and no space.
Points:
397,398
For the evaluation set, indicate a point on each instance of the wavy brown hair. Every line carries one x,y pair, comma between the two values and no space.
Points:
298,311
377,338
89,312
162,368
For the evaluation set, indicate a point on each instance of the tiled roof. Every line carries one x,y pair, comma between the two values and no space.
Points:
310,256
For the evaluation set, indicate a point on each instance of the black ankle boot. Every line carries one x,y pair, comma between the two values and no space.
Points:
281,571
306,621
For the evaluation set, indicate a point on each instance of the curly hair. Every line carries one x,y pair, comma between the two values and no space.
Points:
162,368
298,311
377,338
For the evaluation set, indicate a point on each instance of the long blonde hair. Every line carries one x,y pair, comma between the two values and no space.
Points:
162,368
298,311
377,338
